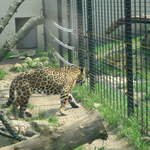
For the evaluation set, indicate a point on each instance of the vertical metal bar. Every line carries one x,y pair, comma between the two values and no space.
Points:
108,36
81,54
70,55
129,61
123,63
141,72
60,34
101,63
146,72
44,26
91,45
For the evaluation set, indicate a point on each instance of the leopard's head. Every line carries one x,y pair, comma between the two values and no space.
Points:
81,77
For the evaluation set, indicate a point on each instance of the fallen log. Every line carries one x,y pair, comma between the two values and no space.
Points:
69,137
122,21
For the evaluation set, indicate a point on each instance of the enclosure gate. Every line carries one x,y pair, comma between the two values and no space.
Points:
114,45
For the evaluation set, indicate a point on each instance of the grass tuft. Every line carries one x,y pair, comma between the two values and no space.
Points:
3,74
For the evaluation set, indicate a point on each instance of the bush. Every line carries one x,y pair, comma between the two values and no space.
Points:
19,68
30,63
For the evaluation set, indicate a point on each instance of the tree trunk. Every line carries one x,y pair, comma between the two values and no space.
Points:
27,27
84,131
10,12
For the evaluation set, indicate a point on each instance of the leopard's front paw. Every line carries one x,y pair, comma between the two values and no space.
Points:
62,112
74,105
24,114
28,114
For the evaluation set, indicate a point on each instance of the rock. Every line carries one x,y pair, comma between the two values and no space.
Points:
28,59
14,56
22,57
36,59
17,65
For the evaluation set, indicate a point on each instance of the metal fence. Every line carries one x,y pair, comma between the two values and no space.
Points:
114,45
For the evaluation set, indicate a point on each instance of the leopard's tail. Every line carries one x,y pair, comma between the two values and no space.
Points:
11,95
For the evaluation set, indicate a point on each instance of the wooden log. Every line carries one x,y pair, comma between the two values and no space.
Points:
121,21
26,28
69,137
10,12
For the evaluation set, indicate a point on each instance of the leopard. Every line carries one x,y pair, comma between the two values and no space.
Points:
49,81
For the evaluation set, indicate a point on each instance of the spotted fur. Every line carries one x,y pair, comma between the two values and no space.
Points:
45,80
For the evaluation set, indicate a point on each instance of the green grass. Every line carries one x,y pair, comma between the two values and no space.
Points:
40,53
10,54
3,74
128,128
78,148
53,120
141,87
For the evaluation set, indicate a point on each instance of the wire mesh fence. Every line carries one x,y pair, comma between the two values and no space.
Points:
114,46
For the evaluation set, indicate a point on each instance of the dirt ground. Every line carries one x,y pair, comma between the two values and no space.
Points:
52,103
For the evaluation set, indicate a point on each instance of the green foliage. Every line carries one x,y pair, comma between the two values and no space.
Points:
19,68
53,120
78,148
102,148
131,130
10,54
141,86
3,74
25,54
147,97
40,53
30,63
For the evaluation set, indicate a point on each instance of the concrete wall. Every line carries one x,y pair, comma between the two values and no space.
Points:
28,9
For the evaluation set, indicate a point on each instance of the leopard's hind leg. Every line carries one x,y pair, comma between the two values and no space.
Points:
23,95
64,96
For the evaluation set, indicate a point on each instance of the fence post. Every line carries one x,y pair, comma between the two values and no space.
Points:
44,25
91,45
60,34
70,54
81,53
129,59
